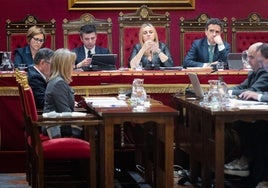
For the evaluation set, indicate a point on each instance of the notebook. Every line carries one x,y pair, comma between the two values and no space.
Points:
196,85
102,62
235,61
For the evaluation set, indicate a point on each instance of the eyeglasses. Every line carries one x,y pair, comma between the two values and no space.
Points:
38,40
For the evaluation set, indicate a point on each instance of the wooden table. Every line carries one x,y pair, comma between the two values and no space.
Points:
201,135
163,116
161,85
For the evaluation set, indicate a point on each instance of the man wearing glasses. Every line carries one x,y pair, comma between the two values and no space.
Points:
35,39
262,58
38,75
257,79
88,36
209,50
253,136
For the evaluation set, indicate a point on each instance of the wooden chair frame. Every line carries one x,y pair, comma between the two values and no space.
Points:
102,26
21,27
35,157
136,19
196,25
254,24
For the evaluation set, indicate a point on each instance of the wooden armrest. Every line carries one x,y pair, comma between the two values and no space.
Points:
87,120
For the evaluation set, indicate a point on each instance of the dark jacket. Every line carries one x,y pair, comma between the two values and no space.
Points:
23,56
256,81
198,54
156,60
80,52
38,85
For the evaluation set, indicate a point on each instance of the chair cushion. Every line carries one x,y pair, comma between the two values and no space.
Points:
66,148
42,138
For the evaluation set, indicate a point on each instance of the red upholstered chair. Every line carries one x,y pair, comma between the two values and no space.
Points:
16,32
129,29
71,30
192,29
60,159
248,31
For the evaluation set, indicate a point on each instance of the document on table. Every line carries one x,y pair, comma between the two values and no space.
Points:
248,105
105,102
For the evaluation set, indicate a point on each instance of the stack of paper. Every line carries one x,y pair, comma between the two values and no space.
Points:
105,102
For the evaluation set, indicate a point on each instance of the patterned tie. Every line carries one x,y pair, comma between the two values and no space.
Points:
89,55
210,53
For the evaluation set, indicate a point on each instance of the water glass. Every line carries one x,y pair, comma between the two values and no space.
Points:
245,59
22,67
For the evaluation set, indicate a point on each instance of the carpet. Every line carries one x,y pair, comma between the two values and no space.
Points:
14,180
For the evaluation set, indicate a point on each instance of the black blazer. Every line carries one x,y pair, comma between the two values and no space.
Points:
80,52
156,60
38,85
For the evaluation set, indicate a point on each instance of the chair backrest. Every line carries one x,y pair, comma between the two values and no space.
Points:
16,32
129,29
71,30
192,29
26,96
21,79
248,31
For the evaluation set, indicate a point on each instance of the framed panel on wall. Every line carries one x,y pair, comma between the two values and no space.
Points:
130,5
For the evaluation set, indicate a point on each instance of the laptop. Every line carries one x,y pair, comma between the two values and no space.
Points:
199,93
172,68
102,62
235,61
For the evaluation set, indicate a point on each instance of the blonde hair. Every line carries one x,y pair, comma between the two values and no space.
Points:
35,30
62,63
141,33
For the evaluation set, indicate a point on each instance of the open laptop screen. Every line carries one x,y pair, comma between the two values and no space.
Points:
235,61
196,85
104,61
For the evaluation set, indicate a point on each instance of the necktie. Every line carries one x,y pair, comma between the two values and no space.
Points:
89,55
210,53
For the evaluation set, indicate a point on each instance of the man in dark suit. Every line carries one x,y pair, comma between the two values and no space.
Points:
262,58
209,50
253,136
88,36
257,78
38,75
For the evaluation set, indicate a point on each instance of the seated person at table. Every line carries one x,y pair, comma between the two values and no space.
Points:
209,50
150,52
262,58
35,39
257,79
88,36
59,96
39,74
253,137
